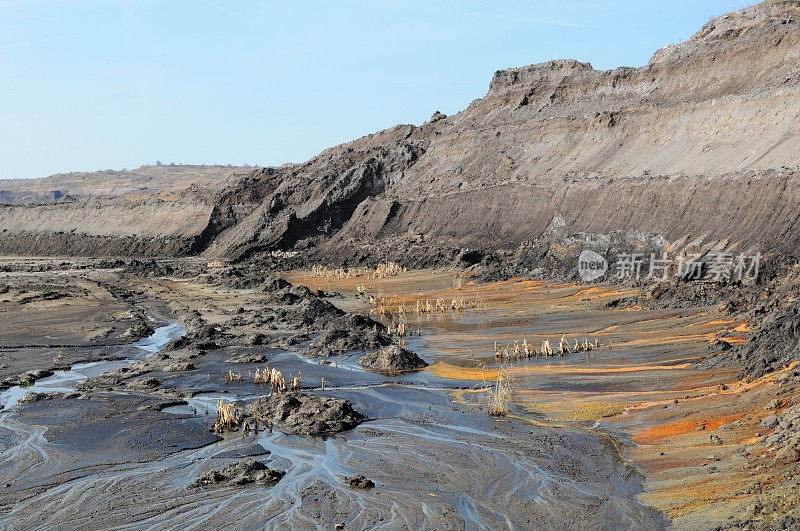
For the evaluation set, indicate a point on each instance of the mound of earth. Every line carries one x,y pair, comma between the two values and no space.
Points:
150,268
773,344
247,357
351,332
179,367
37,397
305,414
138,331
200,334
287,293
242,473
313,312
392,359
274,283
359,481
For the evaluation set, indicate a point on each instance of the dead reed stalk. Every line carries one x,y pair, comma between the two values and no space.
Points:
499,395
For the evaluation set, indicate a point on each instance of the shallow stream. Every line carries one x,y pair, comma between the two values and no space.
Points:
65,381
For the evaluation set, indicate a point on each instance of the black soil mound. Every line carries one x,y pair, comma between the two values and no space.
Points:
359,481
247,357
351,332
775,342
242,473
305,414
37,397
392,359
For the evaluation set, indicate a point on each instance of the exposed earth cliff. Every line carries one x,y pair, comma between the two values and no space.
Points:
701,144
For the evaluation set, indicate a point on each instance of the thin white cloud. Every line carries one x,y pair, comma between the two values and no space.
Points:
219,7
39,41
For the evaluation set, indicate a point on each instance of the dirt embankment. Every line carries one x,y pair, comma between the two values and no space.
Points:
701,144
153,210
691,146
104,228
161,180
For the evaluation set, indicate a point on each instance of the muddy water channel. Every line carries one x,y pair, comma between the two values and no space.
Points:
66,380
437,458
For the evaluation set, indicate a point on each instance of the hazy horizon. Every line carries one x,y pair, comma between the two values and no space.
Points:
93,85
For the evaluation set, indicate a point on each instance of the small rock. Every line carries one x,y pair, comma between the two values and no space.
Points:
720,346
145,384
179,366
247,357
210,477
37,397
37,374
770,421
787,456
753,510
138,331
360,482
257,339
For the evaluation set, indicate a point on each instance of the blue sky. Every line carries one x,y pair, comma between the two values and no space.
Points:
87,85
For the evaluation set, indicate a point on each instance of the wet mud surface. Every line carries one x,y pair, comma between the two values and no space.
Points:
127,449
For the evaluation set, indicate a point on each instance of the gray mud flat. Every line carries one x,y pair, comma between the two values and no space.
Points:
433,466
109,459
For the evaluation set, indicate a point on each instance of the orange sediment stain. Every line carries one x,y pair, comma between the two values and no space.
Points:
443,369
682,427
447,370
722,321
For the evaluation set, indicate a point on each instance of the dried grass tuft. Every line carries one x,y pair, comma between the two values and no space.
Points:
498,396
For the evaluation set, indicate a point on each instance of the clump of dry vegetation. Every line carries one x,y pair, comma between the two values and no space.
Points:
401,329
272,377
388,306
230,376
389,269
498,396
281,255
228,416
338,273
519,351
384,270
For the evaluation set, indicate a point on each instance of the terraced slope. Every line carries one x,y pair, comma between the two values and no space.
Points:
702,144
